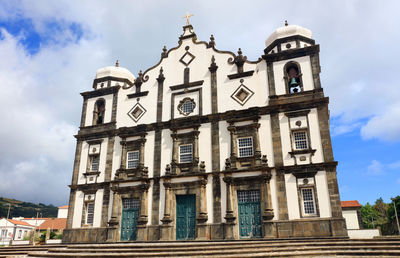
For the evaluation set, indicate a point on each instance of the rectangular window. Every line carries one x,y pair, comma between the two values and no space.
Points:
245,147
132,159
300,140
19,233
94,162
131,203
185,153
89,213
308,201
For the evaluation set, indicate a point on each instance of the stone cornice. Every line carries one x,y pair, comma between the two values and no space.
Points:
105,130
100,92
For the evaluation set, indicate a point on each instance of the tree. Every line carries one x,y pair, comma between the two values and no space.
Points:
369,216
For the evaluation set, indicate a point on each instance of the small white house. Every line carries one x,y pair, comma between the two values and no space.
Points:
352,214
13,230
62,212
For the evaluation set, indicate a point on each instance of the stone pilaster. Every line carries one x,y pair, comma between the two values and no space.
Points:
271,80
229,217
142,221
202,227
113,233
166,227
232,130
84,110
278,160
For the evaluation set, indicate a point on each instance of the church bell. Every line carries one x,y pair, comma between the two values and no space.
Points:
293,82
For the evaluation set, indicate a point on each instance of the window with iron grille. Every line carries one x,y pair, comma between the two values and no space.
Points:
308,201
132,159
185,153
89,213
130,203
94,162
186,106
300,140
248,196
245,147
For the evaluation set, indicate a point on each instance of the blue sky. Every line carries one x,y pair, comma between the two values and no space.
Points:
50,51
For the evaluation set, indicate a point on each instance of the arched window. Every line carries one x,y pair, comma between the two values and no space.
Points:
293,78
98,112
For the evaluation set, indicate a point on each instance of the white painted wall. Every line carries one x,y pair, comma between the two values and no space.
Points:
323,195
209,195
98,204
205,153
265,135
166,150
363,233
351,219
224,143
77,218
285,140
292,197
315,136
62,213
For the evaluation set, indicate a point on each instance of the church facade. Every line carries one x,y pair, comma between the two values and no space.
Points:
207,145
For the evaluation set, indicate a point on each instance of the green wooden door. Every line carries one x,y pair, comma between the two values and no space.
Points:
130,215
249,214
185,217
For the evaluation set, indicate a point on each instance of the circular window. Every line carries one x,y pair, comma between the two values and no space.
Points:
186,106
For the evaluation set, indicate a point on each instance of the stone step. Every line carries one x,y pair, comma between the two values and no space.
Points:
145,248
228,244
249,253
223,248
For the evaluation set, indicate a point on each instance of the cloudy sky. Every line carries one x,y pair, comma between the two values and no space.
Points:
50,51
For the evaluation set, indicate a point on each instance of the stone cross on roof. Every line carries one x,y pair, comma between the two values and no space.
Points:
187,16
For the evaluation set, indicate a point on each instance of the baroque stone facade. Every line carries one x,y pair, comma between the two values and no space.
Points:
207,145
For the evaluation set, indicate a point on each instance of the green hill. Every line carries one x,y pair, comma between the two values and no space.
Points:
26,209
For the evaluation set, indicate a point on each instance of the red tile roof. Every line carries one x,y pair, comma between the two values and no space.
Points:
17,222
35,218
63,207
57,223
346,204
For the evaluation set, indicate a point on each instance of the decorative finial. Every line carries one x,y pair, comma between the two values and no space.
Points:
164,52
117,64
240,51
187,16
212,41
286,23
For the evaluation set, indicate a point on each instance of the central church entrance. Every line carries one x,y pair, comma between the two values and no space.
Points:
185,217
249,213
130,215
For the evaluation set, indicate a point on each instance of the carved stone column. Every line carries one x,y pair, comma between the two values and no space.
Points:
141,154
268,212
257,150
113,223
229,217
166,227
232,130
142,221
175,153
123,154
202,228
196,147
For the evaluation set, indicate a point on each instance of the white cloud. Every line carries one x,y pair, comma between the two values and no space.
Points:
375,168
384,126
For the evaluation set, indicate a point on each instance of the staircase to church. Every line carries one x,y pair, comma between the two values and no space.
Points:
388,247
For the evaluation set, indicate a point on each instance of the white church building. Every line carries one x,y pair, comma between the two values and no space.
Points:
207,145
